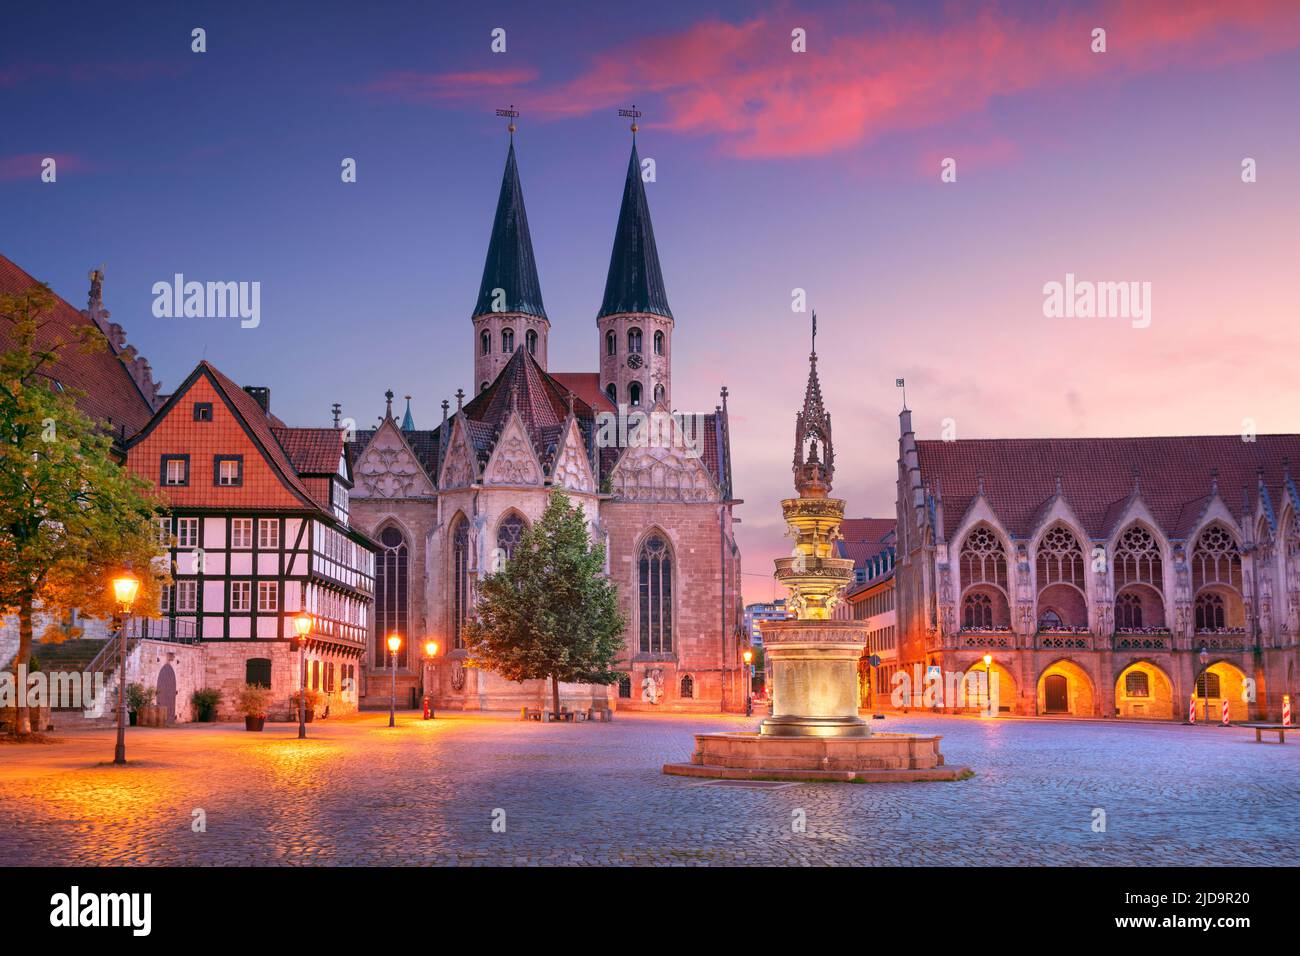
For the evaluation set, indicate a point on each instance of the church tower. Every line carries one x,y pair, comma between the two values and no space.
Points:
509,312
635,323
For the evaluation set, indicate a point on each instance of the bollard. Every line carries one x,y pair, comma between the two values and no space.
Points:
1224,709
428,707
1286,710
1191,710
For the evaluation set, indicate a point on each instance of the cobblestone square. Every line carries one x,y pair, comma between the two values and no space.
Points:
427,793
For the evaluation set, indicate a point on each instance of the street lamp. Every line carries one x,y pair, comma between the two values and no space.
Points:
394,645
988,683
125,589
302,625
749,681
1204,656
430,651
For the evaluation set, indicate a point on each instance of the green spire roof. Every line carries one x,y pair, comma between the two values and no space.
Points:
510,265
635,282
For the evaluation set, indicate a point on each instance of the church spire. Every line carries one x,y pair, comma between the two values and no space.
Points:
635,282
510,266
814,454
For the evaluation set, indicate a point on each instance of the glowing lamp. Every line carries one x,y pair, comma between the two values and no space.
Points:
394,642
431,648
748,656
125,589
302,624
988,660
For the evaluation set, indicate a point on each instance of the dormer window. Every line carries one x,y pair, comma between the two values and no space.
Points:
203,411
228,471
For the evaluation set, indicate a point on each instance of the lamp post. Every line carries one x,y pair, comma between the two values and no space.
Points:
125,589
988,684
749,681
1204,656
430,650
302,625
394,645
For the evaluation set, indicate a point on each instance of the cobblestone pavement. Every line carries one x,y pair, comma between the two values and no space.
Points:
425,793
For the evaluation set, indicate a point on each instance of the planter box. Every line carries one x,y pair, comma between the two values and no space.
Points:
254,723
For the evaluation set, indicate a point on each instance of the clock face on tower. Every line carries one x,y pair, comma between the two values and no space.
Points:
634,361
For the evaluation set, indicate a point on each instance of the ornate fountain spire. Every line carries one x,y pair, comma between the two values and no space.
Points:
814,452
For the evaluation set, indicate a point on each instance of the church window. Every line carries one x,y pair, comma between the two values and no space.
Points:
982,558
659,393
634,394
612,393
688,687
530,340
507,340
659,343
1137,684
634,340
1137,559
655,573
509,533
1128,612
485,342
1216,559
1060,559
1049,620
459,582
391,573
977,611
611,343
1209,613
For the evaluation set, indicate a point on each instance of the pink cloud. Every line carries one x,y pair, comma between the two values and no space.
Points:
742,84
28,165
424,87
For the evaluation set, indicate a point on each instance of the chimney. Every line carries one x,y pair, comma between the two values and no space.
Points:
261,394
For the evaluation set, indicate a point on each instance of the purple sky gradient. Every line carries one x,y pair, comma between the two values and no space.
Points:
775,170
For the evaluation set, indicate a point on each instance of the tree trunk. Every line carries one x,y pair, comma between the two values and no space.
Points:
22,719
555,694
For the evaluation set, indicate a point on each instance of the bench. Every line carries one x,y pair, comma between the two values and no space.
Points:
529,713
563,715
603,714
1279,729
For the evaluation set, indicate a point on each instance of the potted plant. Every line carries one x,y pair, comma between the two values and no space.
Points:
253,702
138,697
313,698
205,701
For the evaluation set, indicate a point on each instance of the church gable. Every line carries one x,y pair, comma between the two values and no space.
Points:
513,460
388,468
460,469
664,468
572,469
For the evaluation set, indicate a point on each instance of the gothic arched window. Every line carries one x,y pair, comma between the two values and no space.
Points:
1216,559
530,340
612,393
982,558
634,394
634,341
688,687
460,582
485,342
509,532
1137,559
1060,559
611,343
659,394
507,340
655,579
1210,614
977,611
1128,613
659,343
1050,620
391,594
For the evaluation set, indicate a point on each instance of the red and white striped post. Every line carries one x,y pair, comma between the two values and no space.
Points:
1224,708
1286,710
1191,710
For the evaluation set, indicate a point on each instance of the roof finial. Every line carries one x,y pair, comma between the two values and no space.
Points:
979,482
445,405
1214,481
724,394
902,383
408,423
388,399
514,396
511,113
568,400
814,335
337,409
1137,484
634,114
1058,482
460,398
96,298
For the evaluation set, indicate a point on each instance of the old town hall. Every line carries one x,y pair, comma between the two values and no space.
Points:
448,504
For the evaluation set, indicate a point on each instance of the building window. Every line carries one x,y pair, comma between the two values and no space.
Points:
257,671
268,596
1137,684
460,582
164,526
1210,613
1128,612
1137,560
1216,559
659,394
655,573
187,596
165,598
228,470
507,340
241,533
634,341
977,611
175,470
187,532
509,532
1050,620
983,559
625,688
482,386
530,340
1207,685
241,596
391,594
268,534
634,394
659,343
611,343
611,393
688,688
203,411
485,342
1060,559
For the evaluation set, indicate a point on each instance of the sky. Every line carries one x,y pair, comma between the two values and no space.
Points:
776,170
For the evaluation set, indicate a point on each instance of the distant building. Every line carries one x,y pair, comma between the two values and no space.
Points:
754,613
870,543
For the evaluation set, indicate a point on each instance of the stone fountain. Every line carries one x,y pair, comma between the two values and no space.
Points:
815,732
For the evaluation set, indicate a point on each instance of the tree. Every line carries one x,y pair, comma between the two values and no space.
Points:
550,611
70,516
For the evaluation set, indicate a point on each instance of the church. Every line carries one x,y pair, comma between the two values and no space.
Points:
447,505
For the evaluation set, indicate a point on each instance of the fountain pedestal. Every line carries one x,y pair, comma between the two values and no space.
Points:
814,678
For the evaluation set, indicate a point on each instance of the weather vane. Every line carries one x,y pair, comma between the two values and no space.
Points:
511,113
634,114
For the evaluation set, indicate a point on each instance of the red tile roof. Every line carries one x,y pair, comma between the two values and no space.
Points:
864,538
313,451
587,387
110,394
1173,476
